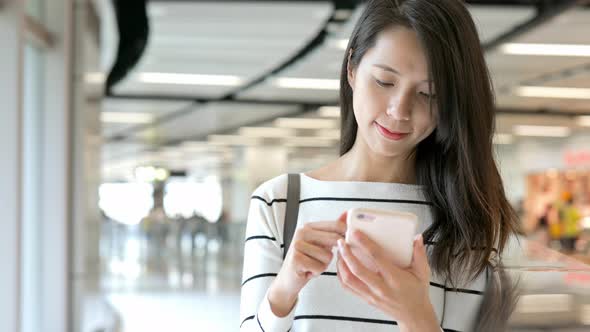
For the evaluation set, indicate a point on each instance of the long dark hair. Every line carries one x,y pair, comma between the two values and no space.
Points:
455,164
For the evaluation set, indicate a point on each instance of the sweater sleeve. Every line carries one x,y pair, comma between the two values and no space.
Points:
263,257
462,304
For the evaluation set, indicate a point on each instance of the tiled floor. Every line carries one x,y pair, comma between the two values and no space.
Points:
171,287
178,311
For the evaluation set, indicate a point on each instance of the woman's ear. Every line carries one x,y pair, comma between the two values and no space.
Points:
350,71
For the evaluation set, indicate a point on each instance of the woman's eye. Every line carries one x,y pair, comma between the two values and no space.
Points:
427,95
383,84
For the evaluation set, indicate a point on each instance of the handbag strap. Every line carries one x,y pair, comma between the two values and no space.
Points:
292,212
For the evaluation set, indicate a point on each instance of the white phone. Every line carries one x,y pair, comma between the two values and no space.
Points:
392,230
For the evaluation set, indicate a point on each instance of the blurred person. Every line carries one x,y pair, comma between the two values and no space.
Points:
417,117
223,224
554,225
198,226
156,227
569,218
540,221
541,232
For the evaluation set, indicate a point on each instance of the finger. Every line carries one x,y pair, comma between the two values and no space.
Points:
318,253
347,278
343,216
350,282
322,238
419,265
305,264
336,226
338,269
370,278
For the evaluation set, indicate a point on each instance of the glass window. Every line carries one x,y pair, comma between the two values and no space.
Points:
32,161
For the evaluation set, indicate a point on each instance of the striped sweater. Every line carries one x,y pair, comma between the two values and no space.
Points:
323,305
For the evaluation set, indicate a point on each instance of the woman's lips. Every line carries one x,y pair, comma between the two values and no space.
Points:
396,136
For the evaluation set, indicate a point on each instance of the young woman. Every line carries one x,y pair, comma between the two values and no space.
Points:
417,126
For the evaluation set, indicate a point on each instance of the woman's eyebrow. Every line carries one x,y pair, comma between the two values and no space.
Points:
387,68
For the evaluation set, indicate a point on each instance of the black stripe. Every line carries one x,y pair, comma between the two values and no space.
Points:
461,290
345,199
434,284
352,319
428,243
450,330
258,320
437,285
260,237
457,290
280,200
259,276
364,200
247,319
334,274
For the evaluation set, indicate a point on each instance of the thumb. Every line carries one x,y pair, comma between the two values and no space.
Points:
343,216
419,265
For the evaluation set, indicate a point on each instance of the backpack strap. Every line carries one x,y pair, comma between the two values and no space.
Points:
292,212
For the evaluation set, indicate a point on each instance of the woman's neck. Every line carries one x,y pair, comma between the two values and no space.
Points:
361,164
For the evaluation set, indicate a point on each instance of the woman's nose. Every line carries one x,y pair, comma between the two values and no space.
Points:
400,108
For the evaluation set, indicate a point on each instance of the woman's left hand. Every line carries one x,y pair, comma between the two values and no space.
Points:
401,293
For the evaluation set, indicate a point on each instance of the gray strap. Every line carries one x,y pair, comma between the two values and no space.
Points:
292,212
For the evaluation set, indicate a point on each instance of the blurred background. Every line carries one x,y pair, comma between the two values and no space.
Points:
133,133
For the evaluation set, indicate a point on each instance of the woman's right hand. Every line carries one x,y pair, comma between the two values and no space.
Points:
309,256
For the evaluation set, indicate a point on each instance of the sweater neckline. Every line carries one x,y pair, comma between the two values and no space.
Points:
363,183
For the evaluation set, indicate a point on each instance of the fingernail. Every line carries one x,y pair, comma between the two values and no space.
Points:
418,238
343,217
358,234
340,246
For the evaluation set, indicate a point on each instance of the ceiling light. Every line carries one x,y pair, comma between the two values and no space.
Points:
126,117
319,142
342,44
503,139
553,92
271,132
342,14
546,49
306,123
330,133
584,120
150,174
189,79
94,78
233,140
196,146
542,131
329,111
307,83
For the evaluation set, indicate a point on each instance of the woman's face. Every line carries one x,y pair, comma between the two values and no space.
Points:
391,95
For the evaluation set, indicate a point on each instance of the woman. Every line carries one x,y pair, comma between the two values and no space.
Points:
417,126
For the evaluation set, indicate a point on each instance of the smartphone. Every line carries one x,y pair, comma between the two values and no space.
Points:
392,230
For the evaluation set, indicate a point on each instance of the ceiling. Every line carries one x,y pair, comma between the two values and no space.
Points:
201,51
